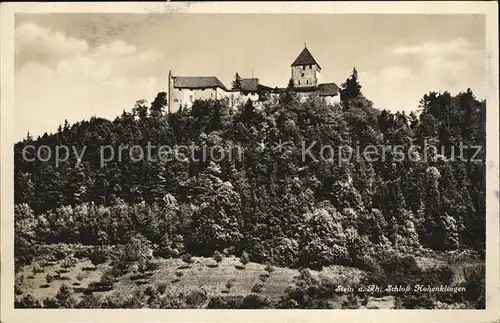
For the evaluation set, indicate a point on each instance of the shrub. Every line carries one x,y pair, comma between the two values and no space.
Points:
67,263
253,301
107,280
90,301
154,300
475,288
217,257
351,302
229,284
82,252
17,290
258,287
37,269
97,256
245,258
50,302
162,287
119,267
396,270
152,265
27,301
80,277
59,251
442,275
179,274
49,278
269,268
196,298
187,258
264,277
169,302
149,291
65,298
225,302
414,301
309,293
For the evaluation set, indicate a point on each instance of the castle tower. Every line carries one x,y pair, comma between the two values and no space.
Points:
305,70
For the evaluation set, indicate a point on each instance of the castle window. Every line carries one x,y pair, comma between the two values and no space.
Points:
303,67
307,81
302,74
310,66
298,82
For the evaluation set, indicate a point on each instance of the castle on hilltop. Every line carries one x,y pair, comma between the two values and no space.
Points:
305,75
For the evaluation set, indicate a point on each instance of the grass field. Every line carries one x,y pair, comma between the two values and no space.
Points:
203,274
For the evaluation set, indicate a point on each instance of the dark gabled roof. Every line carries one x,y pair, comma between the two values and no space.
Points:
328,89
264,88
305,58
252,85
249,85
197,82
324,89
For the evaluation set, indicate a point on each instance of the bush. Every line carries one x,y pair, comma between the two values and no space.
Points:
17,290
217,257
245,258
90,301
442,275
351,302
196,298
98,256
179,274
396,270
229,284
152,265
269,268
309,293
119,267
149,291
225,302
475,288
83,252
50,302
169,302
27,301
49,278
68,263
187,258
253,301
264,277
162,287
414,301
80,277
37,269
65,298
107,280
258,287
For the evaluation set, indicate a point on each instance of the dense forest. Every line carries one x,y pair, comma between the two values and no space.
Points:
272,203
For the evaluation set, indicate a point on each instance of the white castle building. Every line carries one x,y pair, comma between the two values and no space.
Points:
183,91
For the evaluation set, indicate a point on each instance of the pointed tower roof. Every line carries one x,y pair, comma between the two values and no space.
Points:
305,58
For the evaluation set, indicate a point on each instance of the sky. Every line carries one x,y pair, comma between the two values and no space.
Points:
74,66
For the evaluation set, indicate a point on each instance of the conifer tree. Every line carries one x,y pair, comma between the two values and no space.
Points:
236,84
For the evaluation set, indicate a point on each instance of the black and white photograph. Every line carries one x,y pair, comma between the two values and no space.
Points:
183,159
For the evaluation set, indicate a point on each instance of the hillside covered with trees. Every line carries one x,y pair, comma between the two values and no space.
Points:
272,203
